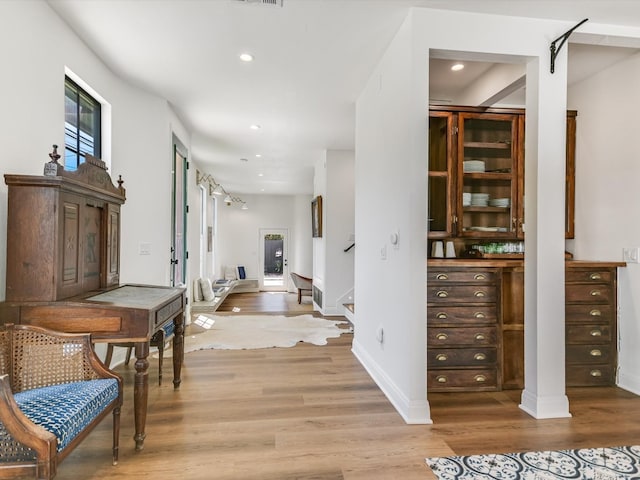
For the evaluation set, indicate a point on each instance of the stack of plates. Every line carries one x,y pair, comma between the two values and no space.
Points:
500,202
473,166
480,199
466,199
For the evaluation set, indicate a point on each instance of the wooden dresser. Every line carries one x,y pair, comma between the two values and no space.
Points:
590,335
463,345
475,324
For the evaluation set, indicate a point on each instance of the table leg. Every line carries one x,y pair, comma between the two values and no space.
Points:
141,393
178,349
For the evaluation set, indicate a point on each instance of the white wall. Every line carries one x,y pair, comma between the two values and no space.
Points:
35,48
391,153
607,172
238,240
333,269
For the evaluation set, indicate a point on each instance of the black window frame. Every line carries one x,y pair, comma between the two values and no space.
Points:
80,140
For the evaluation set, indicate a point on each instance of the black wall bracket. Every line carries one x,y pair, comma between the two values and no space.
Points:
563,37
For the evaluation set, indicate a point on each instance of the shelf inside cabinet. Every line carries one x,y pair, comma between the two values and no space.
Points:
498,145
472,209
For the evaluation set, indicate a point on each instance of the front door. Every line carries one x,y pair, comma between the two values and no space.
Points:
273,259
179,218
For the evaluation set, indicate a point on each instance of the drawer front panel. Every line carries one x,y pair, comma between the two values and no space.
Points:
590,375
589,354
477,379
458,357
588,276
469,275
476,336
461,293
589,293
587,334
589,313
447,314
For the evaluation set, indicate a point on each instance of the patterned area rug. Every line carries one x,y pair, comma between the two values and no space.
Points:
616,463
238,332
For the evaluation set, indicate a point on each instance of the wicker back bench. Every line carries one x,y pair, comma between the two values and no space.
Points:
53,391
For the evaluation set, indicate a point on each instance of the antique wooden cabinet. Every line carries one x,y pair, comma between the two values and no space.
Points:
590,327
463,340
63,233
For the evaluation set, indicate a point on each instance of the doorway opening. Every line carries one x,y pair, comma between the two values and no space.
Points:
274,259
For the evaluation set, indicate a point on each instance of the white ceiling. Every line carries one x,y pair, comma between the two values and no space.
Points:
312,58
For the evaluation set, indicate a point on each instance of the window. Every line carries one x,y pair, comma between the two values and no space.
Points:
81,125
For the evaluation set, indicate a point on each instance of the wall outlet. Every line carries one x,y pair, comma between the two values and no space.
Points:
631,255
383,253
144,248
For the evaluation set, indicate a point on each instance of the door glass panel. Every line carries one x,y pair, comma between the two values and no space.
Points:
489,173
438,205
179,217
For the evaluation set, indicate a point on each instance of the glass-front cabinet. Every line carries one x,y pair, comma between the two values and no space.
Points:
475,175
488,174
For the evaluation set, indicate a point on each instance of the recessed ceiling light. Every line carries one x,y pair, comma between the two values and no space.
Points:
255,127
258,155
246,57
261,174
457,66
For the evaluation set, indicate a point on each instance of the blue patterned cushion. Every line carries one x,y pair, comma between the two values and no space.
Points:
168,329
66,409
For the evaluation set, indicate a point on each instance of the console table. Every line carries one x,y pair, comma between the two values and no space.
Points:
127,313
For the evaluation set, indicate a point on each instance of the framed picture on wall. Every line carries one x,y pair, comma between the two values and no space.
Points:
316,217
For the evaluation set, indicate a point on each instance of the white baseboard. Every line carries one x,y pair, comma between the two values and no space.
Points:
540,407
628,382
412,412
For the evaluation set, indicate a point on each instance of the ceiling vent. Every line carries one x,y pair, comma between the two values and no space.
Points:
273,3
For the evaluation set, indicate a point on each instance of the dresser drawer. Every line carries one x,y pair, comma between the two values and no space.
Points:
467,275
464,336
589,275
590,375
589,313
598,293
476,379
475,314
460,357
461,293
589,354
588,334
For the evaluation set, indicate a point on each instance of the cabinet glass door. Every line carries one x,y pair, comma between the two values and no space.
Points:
487,175
439,203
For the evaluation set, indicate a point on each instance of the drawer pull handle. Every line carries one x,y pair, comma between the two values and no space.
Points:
480,378
479,294
595,276
480,337
442,336
442,276
595,353
595,373
441,379
595,312
442,294
479,357
595,293
441,357
479,276
479,315
596,333
441,315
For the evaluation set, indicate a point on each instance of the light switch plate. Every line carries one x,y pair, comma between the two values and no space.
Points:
631,255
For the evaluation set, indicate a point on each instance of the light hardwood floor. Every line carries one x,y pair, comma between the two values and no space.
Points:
312,412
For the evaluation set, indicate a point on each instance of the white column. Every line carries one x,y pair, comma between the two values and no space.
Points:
544,394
